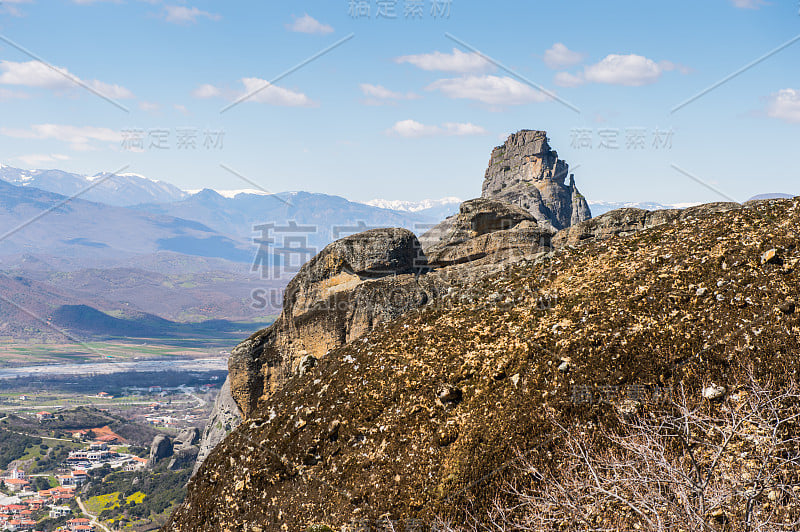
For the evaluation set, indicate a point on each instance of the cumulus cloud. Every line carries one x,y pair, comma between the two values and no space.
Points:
457,61
186,15
39,75
631,70
80,138
559,56
414,129
308,24
380,95
785,105
492,90
258,90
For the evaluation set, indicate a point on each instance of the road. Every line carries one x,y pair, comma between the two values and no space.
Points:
95,522
187,391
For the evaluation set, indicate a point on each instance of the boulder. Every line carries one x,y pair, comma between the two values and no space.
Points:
187,437
160,449
183,458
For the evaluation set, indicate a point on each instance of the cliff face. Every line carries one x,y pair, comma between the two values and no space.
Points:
351,285
428,415
526,172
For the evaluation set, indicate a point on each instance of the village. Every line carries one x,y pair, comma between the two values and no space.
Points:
19,509
46,490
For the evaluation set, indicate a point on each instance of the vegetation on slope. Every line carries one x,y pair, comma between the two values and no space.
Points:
485,399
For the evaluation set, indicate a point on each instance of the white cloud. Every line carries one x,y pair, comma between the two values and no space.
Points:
37,160
181,109
10,7
414,129
80,138
748,4
380,95
206,91
186,15
308,24
631,70
785,105
565,79
559,56
88,2
258,90
492,90
149,107
39,75
458,61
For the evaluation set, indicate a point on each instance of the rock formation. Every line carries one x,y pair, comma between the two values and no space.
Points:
160,449
342,293
624,222
183,449
225,416
484,228
526,172
433,415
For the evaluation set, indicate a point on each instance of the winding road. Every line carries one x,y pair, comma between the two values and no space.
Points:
95,522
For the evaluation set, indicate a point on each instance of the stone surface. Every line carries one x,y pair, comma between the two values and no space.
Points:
225,417
339,295
525,171
365,434
482,228
160,449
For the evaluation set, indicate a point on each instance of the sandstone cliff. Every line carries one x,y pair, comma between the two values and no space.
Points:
525,171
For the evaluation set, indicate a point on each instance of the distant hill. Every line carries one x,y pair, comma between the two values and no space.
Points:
38,222
602,207
320,218
776,195
119,190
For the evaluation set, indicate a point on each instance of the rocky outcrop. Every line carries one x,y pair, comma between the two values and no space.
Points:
339,295
181,449
624,222
160,449
225,416
437,414
484,228
525,171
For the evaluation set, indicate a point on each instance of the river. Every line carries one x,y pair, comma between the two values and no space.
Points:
106,368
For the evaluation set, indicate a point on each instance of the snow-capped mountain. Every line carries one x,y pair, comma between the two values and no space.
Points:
438,209
120,190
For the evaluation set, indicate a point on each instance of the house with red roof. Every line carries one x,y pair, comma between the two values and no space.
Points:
16,484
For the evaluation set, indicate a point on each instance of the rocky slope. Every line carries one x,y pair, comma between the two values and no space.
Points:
425,417
526,172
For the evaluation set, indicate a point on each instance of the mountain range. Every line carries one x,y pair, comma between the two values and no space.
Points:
123,243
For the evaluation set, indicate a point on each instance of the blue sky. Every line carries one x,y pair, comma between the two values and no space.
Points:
401,111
